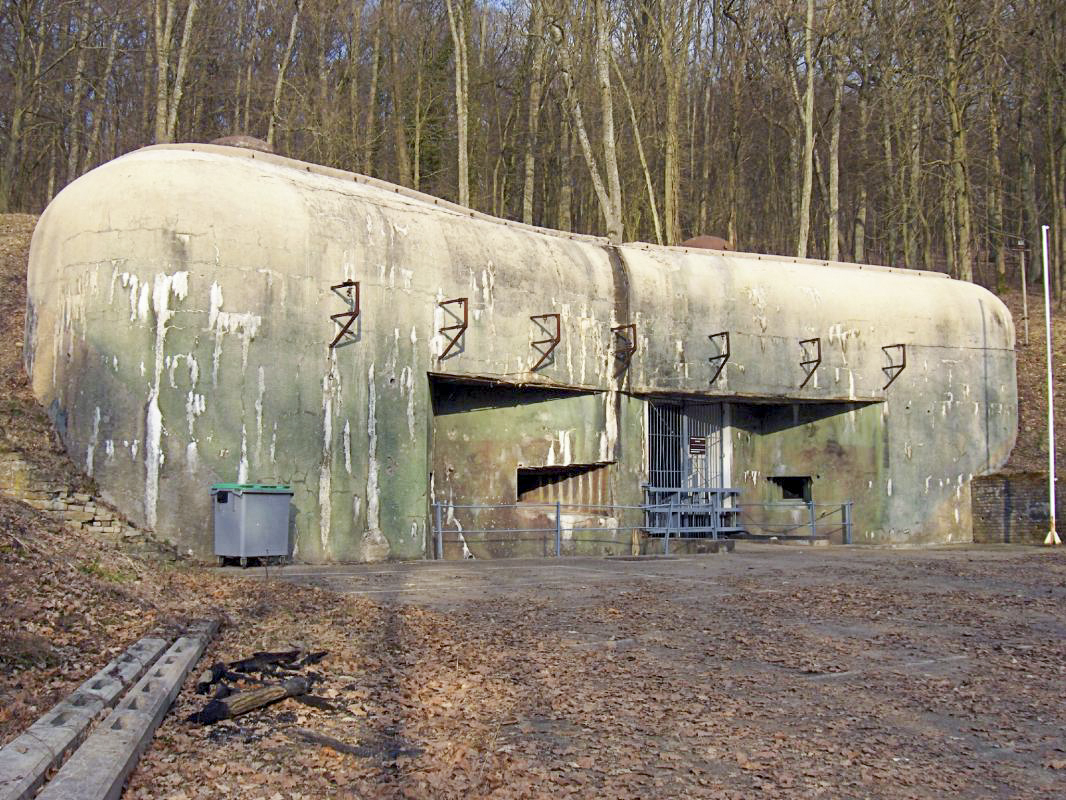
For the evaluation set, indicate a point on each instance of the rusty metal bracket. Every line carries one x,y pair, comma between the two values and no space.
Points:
625,343
550,343
810,365
347,318
724,352
893,370
454,332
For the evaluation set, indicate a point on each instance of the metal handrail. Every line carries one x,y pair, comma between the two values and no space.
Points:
721,519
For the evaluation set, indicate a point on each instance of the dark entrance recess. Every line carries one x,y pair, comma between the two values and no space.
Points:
578,483
793,487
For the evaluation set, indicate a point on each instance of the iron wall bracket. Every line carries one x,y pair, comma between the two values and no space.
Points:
810,365
724,352
625,343
894,368
348,291
454,332
548,344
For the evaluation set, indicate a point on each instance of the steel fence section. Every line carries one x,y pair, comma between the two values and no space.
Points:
564,529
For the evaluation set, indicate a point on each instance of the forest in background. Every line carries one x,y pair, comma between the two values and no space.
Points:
918,134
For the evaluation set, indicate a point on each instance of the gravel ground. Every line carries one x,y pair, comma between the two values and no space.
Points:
774,671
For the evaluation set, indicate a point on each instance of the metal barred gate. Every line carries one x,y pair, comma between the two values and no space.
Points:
686,494
685,445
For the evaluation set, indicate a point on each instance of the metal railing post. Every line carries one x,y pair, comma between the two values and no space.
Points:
845,511
814,521
558,530
669,525
437,534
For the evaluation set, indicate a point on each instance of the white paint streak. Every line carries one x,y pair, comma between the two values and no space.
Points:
261,391
347,440
330,383
90,451
242,466
243,324
373,521
407,384
164,285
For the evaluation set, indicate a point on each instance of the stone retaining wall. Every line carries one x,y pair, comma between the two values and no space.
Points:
78,510
1012,508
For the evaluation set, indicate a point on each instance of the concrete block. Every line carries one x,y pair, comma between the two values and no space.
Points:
74,515
99,768
44,745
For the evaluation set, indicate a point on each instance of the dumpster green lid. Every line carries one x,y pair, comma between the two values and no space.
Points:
250,487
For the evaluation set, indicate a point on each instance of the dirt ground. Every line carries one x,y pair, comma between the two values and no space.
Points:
774,671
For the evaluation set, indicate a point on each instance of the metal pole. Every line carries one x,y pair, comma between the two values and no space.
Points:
437,533
669,524
558,530
1052,537
814,522
1025,292
845,513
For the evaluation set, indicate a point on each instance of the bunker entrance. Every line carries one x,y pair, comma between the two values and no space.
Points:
686,495
685,445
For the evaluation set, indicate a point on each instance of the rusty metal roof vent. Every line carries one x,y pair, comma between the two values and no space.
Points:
247,142
707,242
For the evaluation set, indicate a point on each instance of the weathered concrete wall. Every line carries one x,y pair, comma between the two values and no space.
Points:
179,312
482,436
841,446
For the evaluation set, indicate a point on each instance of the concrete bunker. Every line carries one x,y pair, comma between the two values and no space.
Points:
183,301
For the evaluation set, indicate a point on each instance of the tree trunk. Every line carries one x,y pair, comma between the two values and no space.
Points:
914,186
249,63
275,105
833,251
674,29
355,47
950,243
705,160
372,102
101,104
399,127
164,27
565,215
457,26
74,129
241,50
808,136
859,231
891,184
610,152
995,197
606,192
178,89
960,185
652,205
536,80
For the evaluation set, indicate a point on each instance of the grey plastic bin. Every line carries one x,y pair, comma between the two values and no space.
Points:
251,521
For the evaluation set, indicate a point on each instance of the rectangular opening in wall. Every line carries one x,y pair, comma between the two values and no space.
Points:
793,487
577,484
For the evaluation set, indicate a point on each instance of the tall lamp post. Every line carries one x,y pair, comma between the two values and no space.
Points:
1052,537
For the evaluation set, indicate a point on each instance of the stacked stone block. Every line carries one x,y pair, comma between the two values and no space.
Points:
76,509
